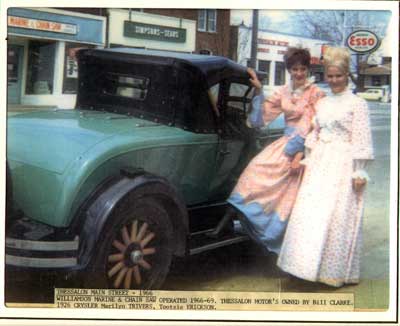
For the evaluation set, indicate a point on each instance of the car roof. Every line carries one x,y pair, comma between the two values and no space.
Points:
212,68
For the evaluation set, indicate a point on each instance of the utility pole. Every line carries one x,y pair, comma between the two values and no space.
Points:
254,40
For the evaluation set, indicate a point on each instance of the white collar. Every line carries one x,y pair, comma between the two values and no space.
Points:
300,90
346,91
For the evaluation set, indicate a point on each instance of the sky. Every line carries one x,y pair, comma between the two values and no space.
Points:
285,20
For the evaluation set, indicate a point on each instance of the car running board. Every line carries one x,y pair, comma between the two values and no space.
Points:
200,242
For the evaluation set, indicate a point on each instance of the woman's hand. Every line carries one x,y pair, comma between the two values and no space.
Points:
295,167
295,163
359,184
254,80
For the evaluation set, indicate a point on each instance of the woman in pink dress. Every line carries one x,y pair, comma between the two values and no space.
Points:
267,188
323,238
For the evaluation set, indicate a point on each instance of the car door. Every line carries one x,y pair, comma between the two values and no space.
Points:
236,141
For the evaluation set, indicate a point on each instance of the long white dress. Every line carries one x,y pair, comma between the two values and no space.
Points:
324,234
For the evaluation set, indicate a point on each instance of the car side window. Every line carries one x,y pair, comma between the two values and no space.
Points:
239,94
134,87
237,102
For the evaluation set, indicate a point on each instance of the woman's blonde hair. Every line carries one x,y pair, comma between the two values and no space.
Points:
338,57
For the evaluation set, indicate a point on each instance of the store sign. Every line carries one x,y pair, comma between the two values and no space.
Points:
72,68
154,32
43,25
363,41
272,42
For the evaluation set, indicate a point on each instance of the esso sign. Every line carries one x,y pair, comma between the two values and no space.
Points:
362,41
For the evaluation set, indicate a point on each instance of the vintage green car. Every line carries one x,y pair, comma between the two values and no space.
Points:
137,173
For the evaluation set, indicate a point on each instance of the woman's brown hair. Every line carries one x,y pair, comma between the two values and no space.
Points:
295,56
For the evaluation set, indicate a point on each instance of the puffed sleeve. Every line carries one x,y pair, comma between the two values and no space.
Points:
361,140
264,110
312,137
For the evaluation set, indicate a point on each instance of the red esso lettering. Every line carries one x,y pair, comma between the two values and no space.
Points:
371,41
352,40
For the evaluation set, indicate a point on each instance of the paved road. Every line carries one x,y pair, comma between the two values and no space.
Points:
244,268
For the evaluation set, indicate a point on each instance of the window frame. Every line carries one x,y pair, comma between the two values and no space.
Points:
212,22
66,80
282,71
127,81
35,61
203,27
205,21
266,80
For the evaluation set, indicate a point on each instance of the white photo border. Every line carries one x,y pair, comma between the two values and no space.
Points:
32,315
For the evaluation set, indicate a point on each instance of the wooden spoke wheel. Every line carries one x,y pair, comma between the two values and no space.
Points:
136,251
130,256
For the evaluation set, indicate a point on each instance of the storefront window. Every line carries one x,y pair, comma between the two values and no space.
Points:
279,73
70,82
40,73
376,80
263,65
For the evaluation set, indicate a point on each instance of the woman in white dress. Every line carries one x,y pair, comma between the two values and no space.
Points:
322,242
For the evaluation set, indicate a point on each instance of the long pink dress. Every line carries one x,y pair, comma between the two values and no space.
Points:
323,237
266,190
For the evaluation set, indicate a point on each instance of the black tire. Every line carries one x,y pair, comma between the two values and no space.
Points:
135,248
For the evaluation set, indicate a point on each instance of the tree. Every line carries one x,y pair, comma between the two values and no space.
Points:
335,25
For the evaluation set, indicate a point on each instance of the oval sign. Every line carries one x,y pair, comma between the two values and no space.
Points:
363,41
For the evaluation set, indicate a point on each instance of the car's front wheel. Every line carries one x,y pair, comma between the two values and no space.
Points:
135,249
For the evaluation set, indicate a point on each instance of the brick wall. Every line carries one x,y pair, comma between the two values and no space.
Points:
92,11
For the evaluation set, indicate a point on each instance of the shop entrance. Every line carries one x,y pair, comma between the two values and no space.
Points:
14,73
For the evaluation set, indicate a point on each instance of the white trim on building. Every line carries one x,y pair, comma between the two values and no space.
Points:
27,33
117,17
271,48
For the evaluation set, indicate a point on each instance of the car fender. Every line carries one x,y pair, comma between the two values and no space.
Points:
100,210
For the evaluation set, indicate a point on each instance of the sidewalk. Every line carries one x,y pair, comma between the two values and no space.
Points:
13,109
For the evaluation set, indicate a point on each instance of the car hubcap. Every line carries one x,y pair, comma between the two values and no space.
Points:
136,256
130,259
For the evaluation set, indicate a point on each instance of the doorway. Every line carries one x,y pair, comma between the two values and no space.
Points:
14,73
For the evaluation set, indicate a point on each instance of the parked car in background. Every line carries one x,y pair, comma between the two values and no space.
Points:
378,93
371,94
136,174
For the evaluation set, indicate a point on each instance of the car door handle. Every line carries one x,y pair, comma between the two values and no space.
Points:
224,152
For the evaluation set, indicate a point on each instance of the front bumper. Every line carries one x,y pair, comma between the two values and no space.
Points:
42,254
33,245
